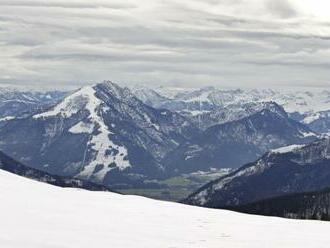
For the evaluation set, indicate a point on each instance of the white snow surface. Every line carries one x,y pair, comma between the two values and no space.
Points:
287,149
7,118
37,215
82,127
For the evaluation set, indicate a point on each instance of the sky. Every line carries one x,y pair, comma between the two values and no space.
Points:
188,43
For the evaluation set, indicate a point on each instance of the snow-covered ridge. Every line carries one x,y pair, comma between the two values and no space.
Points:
79,218
70,105
293,100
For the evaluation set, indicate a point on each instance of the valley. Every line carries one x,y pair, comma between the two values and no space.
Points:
175,188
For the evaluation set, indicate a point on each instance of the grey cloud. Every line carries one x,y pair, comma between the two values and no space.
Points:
66,4
281,8
172,42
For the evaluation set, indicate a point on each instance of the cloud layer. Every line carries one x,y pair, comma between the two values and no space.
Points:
56,43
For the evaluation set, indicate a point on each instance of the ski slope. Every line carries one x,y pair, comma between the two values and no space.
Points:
37,215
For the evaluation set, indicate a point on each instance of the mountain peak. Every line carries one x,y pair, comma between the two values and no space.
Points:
71,104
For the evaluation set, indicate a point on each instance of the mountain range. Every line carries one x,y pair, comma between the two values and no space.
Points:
309,106
15,103
238,142
106,136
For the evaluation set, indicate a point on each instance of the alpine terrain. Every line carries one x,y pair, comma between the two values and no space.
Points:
309,106
15,103
101,133
238,142
293,169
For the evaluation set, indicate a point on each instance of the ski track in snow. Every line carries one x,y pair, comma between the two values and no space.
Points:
38,215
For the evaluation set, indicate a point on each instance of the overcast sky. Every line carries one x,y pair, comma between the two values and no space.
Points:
249,43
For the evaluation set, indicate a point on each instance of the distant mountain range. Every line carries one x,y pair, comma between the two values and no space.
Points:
235,143
293,169
15,103
309,106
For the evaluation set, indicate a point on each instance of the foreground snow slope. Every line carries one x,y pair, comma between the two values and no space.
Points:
37,215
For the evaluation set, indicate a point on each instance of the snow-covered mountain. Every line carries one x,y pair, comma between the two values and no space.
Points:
176,99
293,169
97,133
230,113
235,143
38,215
307,106
15,103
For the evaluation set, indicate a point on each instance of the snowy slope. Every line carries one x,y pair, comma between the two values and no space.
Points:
37,215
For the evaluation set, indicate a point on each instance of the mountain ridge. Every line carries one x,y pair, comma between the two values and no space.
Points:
96,133
235,143
281,171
